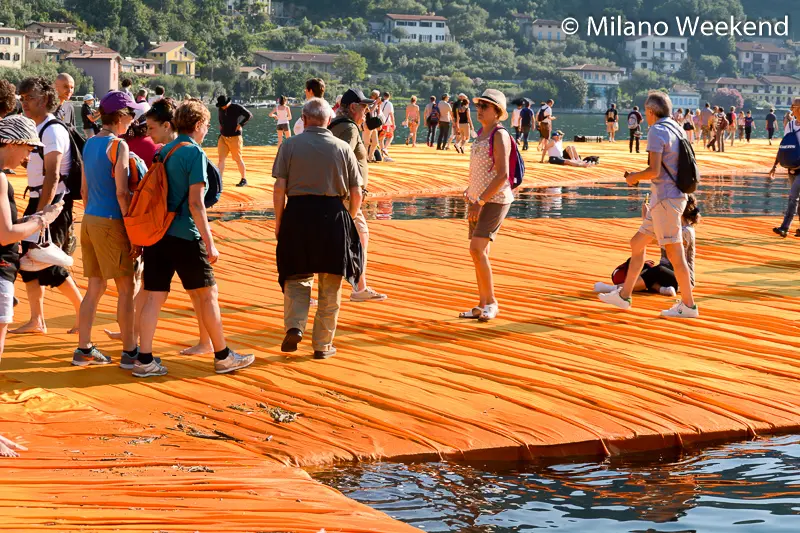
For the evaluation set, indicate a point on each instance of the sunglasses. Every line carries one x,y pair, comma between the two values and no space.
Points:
483,105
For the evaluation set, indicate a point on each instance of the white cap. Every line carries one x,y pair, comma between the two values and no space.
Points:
88,98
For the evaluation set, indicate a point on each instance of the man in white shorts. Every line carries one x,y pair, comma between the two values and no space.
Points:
663,220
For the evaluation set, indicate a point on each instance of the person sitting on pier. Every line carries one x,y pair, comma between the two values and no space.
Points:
561,156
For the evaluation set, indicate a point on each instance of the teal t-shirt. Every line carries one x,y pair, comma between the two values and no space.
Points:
186,167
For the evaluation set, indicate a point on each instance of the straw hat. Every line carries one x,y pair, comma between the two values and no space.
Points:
496,98
19,129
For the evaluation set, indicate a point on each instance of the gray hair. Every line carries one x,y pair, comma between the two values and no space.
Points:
659,103
317,109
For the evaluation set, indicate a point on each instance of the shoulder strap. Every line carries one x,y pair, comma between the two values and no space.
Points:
113,152
172,151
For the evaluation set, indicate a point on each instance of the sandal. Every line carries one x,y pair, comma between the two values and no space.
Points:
475,312
489,312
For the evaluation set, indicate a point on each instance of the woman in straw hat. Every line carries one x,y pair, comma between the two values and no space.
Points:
489,195
18,138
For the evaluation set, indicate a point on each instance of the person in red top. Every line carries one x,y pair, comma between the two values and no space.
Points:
140,143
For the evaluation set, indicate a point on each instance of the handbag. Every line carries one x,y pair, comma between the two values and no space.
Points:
374,123
45,255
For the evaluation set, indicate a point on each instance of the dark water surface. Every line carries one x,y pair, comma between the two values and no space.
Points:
732,196
746,487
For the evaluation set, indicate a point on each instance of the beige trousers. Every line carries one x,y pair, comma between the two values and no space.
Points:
297,300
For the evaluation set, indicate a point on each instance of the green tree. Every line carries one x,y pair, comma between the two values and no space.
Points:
290,82
351,67
572,90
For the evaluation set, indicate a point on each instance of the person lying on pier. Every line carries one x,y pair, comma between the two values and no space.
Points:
660,278
561,156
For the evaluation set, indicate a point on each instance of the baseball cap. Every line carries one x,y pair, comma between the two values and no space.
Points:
19,129
355,96
88,98
115,101
559,133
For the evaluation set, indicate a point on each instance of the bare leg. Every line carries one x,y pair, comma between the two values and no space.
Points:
88,310
479,250
36,299
204,346
149,320
138,304
677,257
208,313
242,168
70,290
639,244
3,331
126,312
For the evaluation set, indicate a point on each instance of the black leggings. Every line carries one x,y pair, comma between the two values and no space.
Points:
748,130
634,136
659,275
431,137
444,135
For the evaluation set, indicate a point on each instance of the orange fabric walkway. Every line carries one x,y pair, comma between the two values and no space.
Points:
556,374
425,171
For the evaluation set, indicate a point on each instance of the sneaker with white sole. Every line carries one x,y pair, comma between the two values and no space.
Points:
614,298
153,368
367,295
681,310
604,287
128,362
234,361
94,357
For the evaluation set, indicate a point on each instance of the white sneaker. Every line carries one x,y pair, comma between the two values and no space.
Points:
614,298
604,287
153,368
681,310
234,361
367,295
388,159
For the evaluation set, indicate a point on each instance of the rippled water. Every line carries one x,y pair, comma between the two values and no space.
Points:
719,196
746,487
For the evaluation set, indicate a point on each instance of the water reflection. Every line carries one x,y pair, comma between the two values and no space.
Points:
752,486
726,196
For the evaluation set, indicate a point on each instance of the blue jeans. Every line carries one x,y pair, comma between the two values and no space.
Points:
794,196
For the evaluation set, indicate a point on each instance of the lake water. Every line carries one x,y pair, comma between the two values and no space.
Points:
750,487
730,196
261,130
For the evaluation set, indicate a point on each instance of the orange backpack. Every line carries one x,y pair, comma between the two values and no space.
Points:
148,217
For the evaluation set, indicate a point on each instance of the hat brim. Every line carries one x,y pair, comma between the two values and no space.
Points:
223,104
503,112
29,142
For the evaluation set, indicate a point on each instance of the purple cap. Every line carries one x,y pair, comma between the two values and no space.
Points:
115,101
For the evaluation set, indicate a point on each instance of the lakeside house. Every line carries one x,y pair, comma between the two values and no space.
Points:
547,30
685,96
777,90
762,58
430,28
173,58
54,31
252,73
60,50
103,67
651,52
269,61
13,47
139,65
602,81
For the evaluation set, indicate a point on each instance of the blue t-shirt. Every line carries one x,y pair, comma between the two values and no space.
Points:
664,139
186,167
771,120
748,122
100,182
526,116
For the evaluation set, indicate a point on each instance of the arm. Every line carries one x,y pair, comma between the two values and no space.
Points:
52,165
274,113
121,170
198,210
244,117
649,173
547,146
279,202
425,114
85,188
11,233
356,198
289,113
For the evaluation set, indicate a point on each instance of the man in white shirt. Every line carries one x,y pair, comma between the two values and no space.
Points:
315,88
389,125
158,96
65,88
445,120
515,121
45,184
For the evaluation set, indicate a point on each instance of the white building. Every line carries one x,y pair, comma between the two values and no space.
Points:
685,97
54,31
415,28
249,6
548,31
779,91
12,47
649,51
601,81
762,57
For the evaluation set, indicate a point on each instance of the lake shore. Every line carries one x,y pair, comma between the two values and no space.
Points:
556,375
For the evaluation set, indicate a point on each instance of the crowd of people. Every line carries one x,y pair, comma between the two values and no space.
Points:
321,173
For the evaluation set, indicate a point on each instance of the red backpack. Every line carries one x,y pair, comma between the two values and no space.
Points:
516,166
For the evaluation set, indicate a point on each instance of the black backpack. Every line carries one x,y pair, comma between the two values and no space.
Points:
688,177
76,143
540,116
789,150
214,190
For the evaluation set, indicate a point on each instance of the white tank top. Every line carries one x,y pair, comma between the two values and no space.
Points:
283,114
556,150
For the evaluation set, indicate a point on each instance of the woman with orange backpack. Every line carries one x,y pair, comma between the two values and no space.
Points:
107,251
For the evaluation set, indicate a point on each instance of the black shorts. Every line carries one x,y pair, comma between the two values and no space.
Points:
61,232
658,275
770,132
556,160
283,127
171,255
